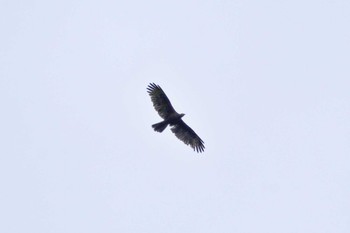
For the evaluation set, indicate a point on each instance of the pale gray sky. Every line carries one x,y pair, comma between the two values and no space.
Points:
264,83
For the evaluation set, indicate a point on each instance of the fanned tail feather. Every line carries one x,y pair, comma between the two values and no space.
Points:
160,127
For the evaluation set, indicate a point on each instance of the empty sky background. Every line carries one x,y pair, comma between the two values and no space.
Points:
266,85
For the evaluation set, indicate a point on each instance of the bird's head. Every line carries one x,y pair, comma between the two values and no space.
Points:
182,114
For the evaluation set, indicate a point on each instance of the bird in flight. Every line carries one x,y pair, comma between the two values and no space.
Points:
166,111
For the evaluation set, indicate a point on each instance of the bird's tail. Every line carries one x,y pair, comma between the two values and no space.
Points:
159,127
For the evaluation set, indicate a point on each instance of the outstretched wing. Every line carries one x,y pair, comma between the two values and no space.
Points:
160,101
188,136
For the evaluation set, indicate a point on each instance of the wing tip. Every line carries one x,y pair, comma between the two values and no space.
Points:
199,148
151,87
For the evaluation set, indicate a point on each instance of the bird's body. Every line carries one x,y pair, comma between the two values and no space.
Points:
164,108
171,120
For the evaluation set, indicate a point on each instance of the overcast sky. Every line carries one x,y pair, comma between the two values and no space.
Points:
265,84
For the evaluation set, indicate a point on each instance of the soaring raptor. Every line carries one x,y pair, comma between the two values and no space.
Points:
166,111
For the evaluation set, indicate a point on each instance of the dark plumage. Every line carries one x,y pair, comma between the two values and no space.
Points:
166,111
